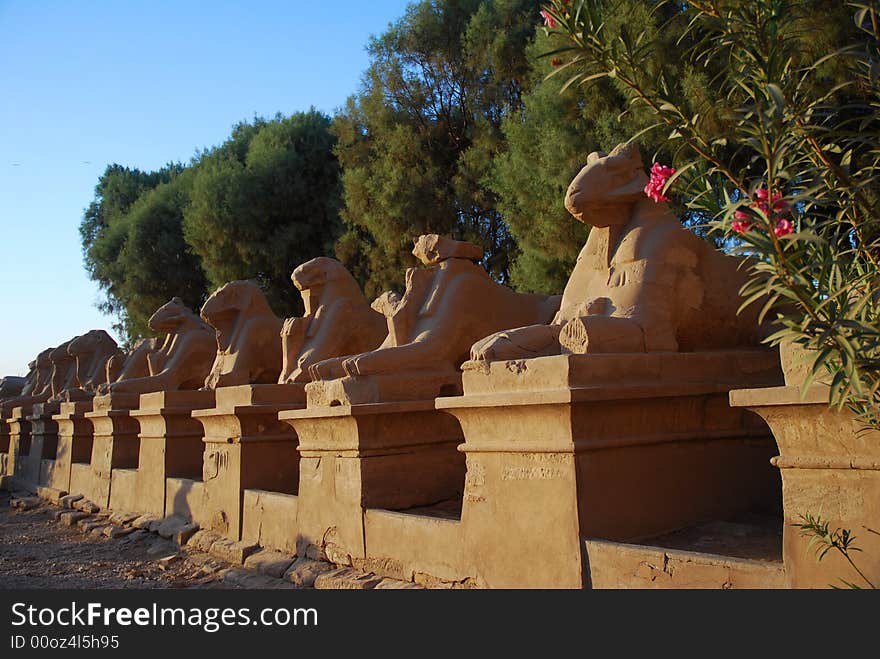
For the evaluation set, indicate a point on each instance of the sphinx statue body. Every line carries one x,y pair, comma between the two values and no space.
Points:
71,371
181,361
38,384
12,385
444,309
91,353
63,369
337,320
642,282
132,364
248,350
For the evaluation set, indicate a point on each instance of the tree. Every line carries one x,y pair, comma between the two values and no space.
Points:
265,201
547,142
133,245
416,141
156,261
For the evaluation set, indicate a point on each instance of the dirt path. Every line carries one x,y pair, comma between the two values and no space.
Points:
37,552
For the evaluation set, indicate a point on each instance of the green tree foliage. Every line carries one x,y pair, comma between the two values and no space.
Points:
547,142
157,262
416,142
265,201
133,244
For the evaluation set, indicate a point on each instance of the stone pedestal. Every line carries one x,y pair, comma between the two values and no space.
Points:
170,446
612,446
74,442
5,415
44,442
18,462
115,444
359,455
830,467
246,447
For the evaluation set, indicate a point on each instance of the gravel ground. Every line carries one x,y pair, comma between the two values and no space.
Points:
37,552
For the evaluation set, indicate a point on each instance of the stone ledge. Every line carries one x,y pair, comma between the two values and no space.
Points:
772,396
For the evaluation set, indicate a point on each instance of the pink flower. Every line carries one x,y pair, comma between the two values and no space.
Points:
773,207
660,174
663,171
548,19
655,192
762,195
783,227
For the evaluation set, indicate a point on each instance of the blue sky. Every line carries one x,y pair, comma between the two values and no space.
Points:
87,83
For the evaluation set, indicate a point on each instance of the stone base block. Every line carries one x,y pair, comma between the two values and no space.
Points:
26,503
71,517
202,541
86,506
51,494
401,545
186,498
177,528
269,520
304,571
81,479
123,490
271,563
231,551
618,565
70,499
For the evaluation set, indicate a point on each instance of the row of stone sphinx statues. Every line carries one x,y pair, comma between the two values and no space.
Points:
641,283
457,389
235,341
